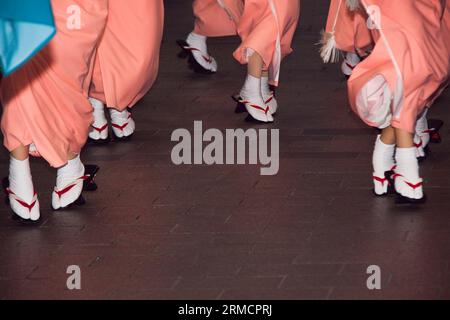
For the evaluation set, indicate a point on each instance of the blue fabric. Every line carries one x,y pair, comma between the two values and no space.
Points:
25,27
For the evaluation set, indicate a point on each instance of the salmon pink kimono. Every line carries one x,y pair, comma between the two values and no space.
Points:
45,101
347,30
409,65
215,18
127,60
267,27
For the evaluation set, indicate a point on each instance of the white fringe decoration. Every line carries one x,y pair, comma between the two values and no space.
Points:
328,51
353,4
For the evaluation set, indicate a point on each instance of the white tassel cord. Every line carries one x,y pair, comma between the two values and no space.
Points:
328,50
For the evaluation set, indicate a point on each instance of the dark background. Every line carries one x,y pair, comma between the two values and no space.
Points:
154,230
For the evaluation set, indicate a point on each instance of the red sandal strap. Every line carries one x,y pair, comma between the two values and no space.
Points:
265,110
206,58
120,127
270,99
60,193
418,145
414,186
101,129
350,66
410,184
20,201
381,180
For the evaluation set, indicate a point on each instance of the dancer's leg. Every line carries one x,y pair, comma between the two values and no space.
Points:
408,182
383,160
251,91
267,93
21,193
69,182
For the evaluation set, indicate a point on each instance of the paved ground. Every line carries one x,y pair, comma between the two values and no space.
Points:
155,230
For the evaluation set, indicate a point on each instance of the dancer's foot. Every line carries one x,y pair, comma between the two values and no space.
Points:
351,60
69,184
268,96
253,101
33,151
22,196
99,129
122,123
196,48
420,146
422,130
383,162
408,183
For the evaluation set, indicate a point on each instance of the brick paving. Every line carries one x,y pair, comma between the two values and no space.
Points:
159,231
